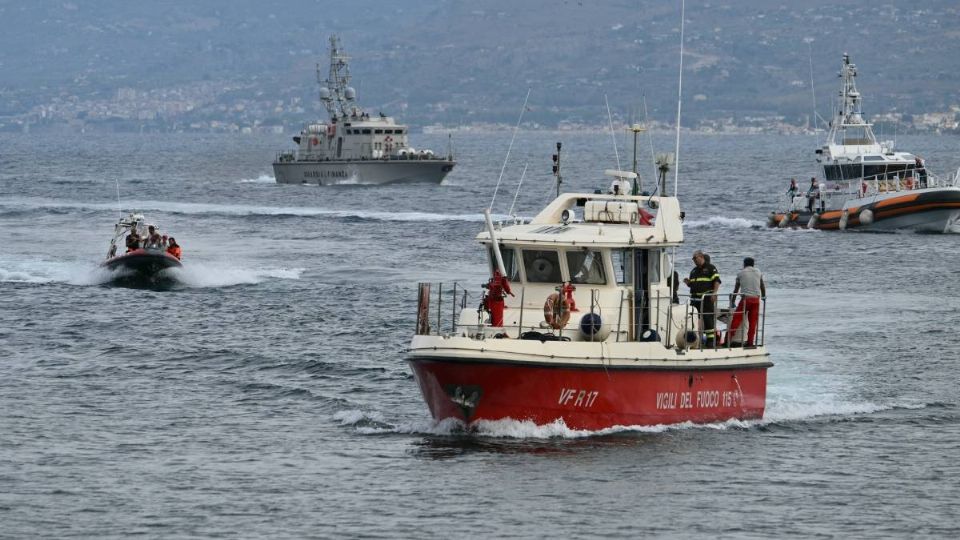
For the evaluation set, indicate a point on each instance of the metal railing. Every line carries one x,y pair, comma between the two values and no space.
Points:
870,186
739,307
294,156
665,318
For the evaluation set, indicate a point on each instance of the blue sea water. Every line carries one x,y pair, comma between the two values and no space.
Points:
267,395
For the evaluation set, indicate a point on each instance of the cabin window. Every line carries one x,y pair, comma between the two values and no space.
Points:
541,266
509,262
399,132
586,267
366,132
623,266
378,132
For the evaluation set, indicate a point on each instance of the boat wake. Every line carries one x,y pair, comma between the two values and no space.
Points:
206,275
195,275
43,272
721,222
262,179
778,412
21,205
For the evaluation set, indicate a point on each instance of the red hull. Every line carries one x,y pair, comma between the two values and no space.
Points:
589,398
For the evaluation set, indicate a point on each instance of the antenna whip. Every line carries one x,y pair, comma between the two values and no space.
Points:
676,163
612,135
503,168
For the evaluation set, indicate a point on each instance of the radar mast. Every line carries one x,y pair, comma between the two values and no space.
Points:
335,91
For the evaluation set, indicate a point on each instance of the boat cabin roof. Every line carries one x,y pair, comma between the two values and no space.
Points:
600,220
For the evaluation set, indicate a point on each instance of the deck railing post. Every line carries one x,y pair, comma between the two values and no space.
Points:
656,323
423,309
667,343
520,323
439,305
763,324
619,315
453,310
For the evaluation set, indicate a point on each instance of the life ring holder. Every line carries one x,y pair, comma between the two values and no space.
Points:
556,311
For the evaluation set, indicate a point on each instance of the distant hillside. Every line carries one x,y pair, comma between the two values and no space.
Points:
463,61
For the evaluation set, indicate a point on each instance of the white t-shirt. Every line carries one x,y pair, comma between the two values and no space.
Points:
749,279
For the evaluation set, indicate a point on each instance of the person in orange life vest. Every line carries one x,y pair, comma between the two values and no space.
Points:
173,248
750,283
497,289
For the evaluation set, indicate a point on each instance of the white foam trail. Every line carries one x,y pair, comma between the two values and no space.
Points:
193,274
244,210
20,276
717,222
39,271
262,179
207,275
779,410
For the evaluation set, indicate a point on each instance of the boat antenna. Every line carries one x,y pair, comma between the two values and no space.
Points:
613,136
119,208
504,167
636,128
517,194
813,91
896,130
653,155
676,162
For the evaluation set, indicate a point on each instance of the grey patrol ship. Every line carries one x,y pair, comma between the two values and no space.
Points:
354,147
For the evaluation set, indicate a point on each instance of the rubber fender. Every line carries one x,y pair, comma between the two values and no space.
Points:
866,216
649,335
687,339
592,327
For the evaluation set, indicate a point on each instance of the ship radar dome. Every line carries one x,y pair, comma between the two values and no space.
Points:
350,93
324,93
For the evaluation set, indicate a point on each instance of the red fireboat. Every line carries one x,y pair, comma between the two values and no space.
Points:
634,353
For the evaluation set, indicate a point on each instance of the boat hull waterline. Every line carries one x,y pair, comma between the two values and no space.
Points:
143,262
934,211
589,397
427,171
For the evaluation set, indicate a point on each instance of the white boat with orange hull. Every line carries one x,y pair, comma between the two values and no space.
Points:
867,185
931,210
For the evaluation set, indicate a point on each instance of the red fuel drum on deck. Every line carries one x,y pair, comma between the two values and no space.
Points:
589,398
